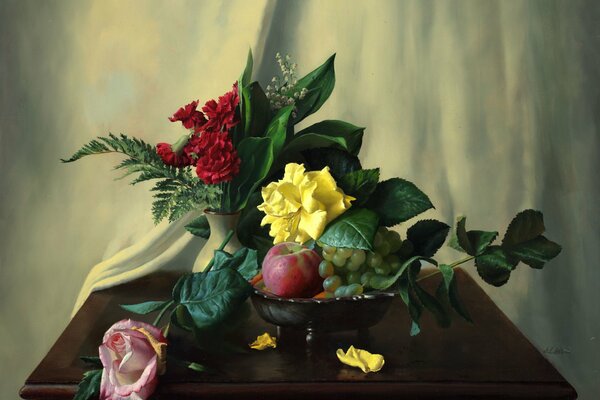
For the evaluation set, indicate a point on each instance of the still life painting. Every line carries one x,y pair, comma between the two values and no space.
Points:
273,198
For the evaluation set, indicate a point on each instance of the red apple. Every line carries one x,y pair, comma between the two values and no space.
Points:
292,270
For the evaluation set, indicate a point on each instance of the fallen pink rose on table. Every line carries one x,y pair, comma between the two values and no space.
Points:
133,354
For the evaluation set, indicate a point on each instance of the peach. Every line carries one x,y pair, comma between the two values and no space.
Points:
292,270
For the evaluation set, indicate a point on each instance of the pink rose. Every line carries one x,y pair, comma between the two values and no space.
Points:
133,354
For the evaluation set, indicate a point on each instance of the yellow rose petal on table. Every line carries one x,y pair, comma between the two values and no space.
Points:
362,359
264,341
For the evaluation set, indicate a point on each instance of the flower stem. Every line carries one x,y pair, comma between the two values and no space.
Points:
221,247
162,312
453,265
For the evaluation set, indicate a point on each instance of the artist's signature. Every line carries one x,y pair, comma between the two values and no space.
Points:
557,350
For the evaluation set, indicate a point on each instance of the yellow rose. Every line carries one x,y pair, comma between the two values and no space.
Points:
300,205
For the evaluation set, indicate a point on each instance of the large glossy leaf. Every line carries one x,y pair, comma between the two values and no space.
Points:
414,307
473,242
354,229
256,110
246,75
526,225
256,156
250,218
448,289
397,200
340,162
244,261
360,184
524,242
313,141
319,83
461,236
352,134
145,308
278,129
385,282
427,300
494,265
427,236
199,227
535,252
210,297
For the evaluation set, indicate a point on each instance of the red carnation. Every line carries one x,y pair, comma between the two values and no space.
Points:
174,154
221,115
189,116
218,160
195,146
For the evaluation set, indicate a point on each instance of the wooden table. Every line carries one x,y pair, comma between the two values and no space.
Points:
490,359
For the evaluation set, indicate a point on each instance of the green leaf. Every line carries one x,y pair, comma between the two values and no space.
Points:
144,308
427,300
524,241
384,282
246,76
177,287
450,290
249,223
210,297
352,134
415,310
319,83
92,360
473,242
403,288
360,184
181,318
461,235
313,141
89,387
244,261
176,192
353,229
494,265
480,240
340,162
278,129
535,252
257,110
199,227
256,156
397,200
427,236
526,225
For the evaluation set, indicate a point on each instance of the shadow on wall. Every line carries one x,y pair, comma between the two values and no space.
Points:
561,310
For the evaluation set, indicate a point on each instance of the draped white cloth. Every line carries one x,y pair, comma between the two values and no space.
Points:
490,107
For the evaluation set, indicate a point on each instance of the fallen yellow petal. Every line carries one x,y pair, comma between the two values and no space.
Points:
362,359
263,341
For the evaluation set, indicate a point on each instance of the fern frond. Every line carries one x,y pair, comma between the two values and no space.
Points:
135,148
177,190
173,201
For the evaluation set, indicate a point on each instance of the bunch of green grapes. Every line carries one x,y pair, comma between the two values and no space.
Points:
349,272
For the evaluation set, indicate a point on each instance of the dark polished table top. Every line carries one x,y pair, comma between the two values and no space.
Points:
489,359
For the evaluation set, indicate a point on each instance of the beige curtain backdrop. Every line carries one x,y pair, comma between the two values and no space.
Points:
489,106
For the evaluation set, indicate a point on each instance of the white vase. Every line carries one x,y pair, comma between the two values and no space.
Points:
220,225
